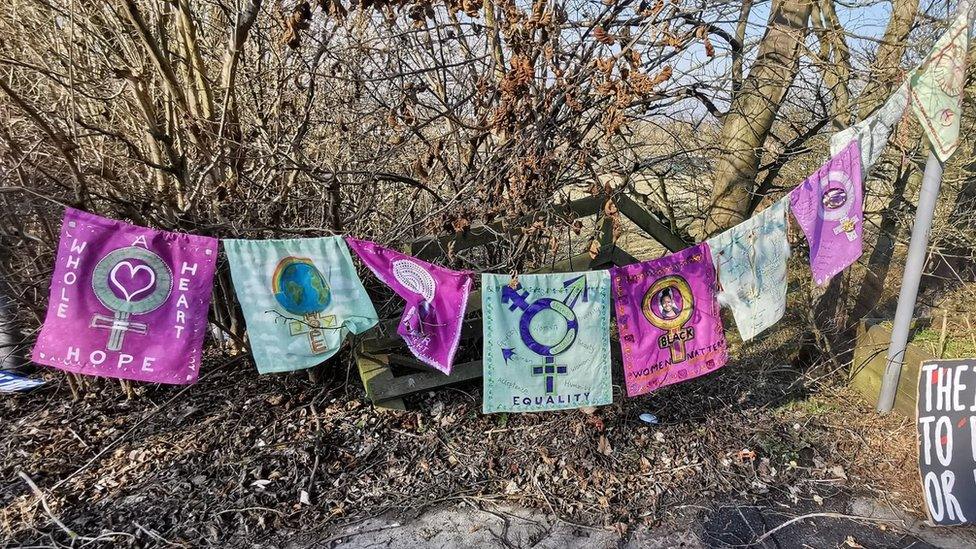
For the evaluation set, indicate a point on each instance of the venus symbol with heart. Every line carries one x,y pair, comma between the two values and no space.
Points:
129,281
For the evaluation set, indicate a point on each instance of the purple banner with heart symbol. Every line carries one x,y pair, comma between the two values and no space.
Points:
127,301
668,317
828,206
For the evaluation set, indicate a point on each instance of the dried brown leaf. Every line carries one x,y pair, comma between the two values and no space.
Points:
662,76
296,22
594,249
605,64
603,37
634,58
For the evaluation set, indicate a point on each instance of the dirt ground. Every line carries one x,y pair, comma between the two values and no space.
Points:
851,523
242,460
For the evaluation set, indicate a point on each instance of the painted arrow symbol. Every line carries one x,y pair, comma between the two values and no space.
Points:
576,287
507,354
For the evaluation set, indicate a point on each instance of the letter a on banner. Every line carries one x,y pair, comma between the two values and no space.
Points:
127,301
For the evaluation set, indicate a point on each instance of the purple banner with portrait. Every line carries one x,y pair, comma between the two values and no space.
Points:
436,300
127,301
668,318
828,206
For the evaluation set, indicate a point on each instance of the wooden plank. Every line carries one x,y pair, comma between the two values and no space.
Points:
386,337
478,235
384,334
571,264
620,257
375,372
396,404
411,362
422,381
603,256
376,349
610,254
649,223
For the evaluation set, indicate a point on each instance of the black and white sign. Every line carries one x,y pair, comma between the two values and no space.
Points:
946,419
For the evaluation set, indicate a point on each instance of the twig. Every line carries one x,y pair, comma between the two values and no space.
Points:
763,537
155,536
37,492
552,510
507,429
243,509
326,541
672,470
943,334
104,536
972,334
73,385
77,436
404,433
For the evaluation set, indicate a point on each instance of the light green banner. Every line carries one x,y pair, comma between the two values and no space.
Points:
937,86
300,298
547,341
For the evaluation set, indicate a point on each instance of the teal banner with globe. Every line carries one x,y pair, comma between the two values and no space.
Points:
300,298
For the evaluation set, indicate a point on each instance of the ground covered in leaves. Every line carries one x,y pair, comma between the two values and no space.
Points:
240,459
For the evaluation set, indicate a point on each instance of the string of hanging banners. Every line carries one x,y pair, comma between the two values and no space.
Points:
131,302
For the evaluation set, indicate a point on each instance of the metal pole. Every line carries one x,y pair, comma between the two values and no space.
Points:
917,252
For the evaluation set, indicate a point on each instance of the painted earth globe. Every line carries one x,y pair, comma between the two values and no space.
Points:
300,287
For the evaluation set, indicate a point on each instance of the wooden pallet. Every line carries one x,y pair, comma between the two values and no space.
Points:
388,370
379,358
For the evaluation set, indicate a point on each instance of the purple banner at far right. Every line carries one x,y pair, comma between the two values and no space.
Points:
829,208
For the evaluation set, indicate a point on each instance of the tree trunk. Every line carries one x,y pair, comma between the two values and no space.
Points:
753,111
886,71
11,339
834,60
